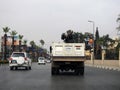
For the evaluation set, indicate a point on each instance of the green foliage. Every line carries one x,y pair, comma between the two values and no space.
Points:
117,49
20,37
99,42
13,33
72,37
106,41
118,20
32,43
68,36
78,37
42,42
6,29
25,42
97,34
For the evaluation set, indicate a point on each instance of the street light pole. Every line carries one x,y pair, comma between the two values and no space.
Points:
93,37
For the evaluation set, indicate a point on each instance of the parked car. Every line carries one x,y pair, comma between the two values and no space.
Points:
41,60
48,61
20,59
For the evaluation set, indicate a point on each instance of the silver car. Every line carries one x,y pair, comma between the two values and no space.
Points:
20,59
41,60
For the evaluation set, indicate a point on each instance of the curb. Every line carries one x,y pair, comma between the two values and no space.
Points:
104,67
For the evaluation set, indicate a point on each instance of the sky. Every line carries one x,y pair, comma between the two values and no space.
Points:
48,19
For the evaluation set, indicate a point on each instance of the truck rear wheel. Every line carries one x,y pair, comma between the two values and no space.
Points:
54,71
77,71
82,71
11,68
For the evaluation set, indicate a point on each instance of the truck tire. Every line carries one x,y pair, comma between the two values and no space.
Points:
16,68
29,67
57,70
11,68
77,71
82,71
54,71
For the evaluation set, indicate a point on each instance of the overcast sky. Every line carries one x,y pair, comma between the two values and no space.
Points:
48,19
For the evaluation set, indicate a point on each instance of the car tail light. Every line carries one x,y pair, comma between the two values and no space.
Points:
25,58
10,58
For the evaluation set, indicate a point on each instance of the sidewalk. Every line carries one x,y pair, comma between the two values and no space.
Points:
104,67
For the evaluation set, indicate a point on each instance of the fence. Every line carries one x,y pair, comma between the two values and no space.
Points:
103,62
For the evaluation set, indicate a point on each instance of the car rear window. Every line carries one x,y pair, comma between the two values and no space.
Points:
41,58
18,55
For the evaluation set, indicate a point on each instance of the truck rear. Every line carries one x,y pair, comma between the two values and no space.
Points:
68,56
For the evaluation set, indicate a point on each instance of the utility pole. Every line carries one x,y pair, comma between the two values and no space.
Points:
93,37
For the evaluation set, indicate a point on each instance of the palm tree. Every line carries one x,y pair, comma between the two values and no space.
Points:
32,43
20,39
5,30
118,28
118,19
42,42
106,41
13,33
25,42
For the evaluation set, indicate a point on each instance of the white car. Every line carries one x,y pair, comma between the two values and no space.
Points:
41,60
20,59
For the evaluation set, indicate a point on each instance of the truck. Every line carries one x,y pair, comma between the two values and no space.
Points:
66,57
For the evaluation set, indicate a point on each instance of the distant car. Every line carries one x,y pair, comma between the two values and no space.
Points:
48,61
20,59
41,60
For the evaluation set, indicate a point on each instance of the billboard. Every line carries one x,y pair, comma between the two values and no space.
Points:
9,40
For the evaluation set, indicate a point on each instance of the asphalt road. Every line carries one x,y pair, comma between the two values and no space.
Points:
40,78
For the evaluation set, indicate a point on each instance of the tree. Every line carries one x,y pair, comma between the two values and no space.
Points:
63,36
118,20
42,42
97,34
13,33
25,42
5,30
68,36
20,40
118,28
97,47
73,37
32,43
105,41
78,37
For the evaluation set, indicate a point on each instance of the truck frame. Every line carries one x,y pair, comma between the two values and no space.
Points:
68,56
